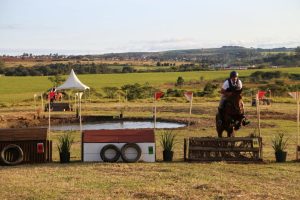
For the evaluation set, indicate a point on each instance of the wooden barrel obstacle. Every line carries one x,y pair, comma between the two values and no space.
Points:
24,145
127,145
207,149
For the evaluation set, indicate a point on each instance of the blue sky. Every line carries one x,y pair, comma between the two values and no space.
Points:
98,26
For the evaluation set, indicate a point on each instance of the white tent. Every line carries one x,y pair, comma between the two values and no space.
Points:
73,83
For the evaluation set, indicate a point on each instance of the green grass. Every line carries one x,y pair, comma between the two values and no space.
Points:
176,180
17,89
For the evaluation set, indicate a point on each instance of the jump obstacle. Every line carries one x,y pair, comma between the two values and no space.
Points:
24,145
206,149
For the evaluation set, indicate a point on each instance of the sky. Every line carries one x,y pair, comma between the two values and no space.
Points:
113,26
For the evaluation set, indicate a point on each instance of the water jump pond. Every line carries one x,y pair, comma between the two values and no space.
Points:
116,125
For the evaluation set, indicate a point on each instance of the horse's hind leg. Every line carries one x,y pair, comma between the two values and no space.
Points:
219,132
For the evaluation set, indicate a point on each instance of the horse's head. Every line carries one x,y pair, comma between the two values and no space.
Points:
236,103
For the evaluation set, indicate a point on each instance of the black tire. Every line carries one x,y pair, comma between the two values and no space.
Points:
126,147
17,154
110,147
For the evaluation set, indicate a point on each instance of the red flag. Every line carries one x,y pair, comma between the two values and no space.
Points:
188,95
261,94
158,95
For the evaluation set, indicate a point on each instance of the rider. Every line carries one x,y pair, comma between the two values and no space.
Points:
230,85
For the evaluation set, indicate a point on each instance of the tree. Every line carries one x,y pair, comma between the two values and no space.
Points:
56,80
297,50
1,67
110,92
127,69
180,81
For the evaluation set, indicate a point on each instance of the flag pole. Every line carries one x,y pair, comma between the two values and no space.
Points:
34,98
80,121
154,110
191,104
258,114
42,102
298,130
49,109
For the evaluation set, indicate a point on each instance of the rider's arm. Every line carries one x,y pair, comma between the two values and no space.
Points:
225,92
224,89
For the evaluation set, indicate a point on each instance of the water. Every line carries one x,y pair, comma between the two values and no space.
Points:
116,125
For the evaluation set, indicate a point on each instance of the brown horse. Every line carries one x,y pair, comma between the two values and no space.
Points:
233,115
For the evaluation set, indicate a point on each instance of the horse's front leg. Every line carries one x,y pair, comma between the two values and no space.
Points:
230,132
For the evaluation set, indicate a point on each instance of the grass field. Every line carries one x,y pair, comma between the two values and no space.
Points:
176,180
17,89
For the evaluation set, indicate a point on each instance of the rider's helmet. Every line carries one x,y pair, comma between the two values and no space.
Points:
234,74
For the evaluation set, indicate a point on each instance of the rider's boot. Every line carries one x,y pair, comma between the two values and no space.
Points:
245,121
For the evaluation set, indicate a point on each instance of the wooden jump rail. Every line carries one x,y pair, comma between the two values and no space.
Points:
32,142
208,149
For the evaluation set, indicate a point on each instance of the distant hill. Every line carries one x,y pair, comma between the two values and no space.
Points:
224,52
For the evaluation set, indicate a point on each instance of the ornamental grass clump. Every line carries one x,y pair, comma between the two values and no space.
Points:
279,143
167,141
65,142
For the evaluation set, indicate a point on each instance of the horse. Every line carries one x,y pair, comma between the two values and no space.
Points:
233,115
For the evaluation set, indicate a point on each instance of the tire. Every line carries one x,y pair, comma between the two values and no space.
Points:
129,159
110,147
19,158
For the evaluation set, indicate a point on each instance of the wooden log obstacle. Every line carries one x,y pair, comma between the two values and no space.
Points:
223,149
24,145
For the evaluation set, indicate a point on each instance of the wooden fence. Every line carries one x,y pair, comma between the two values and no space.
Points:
223,149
